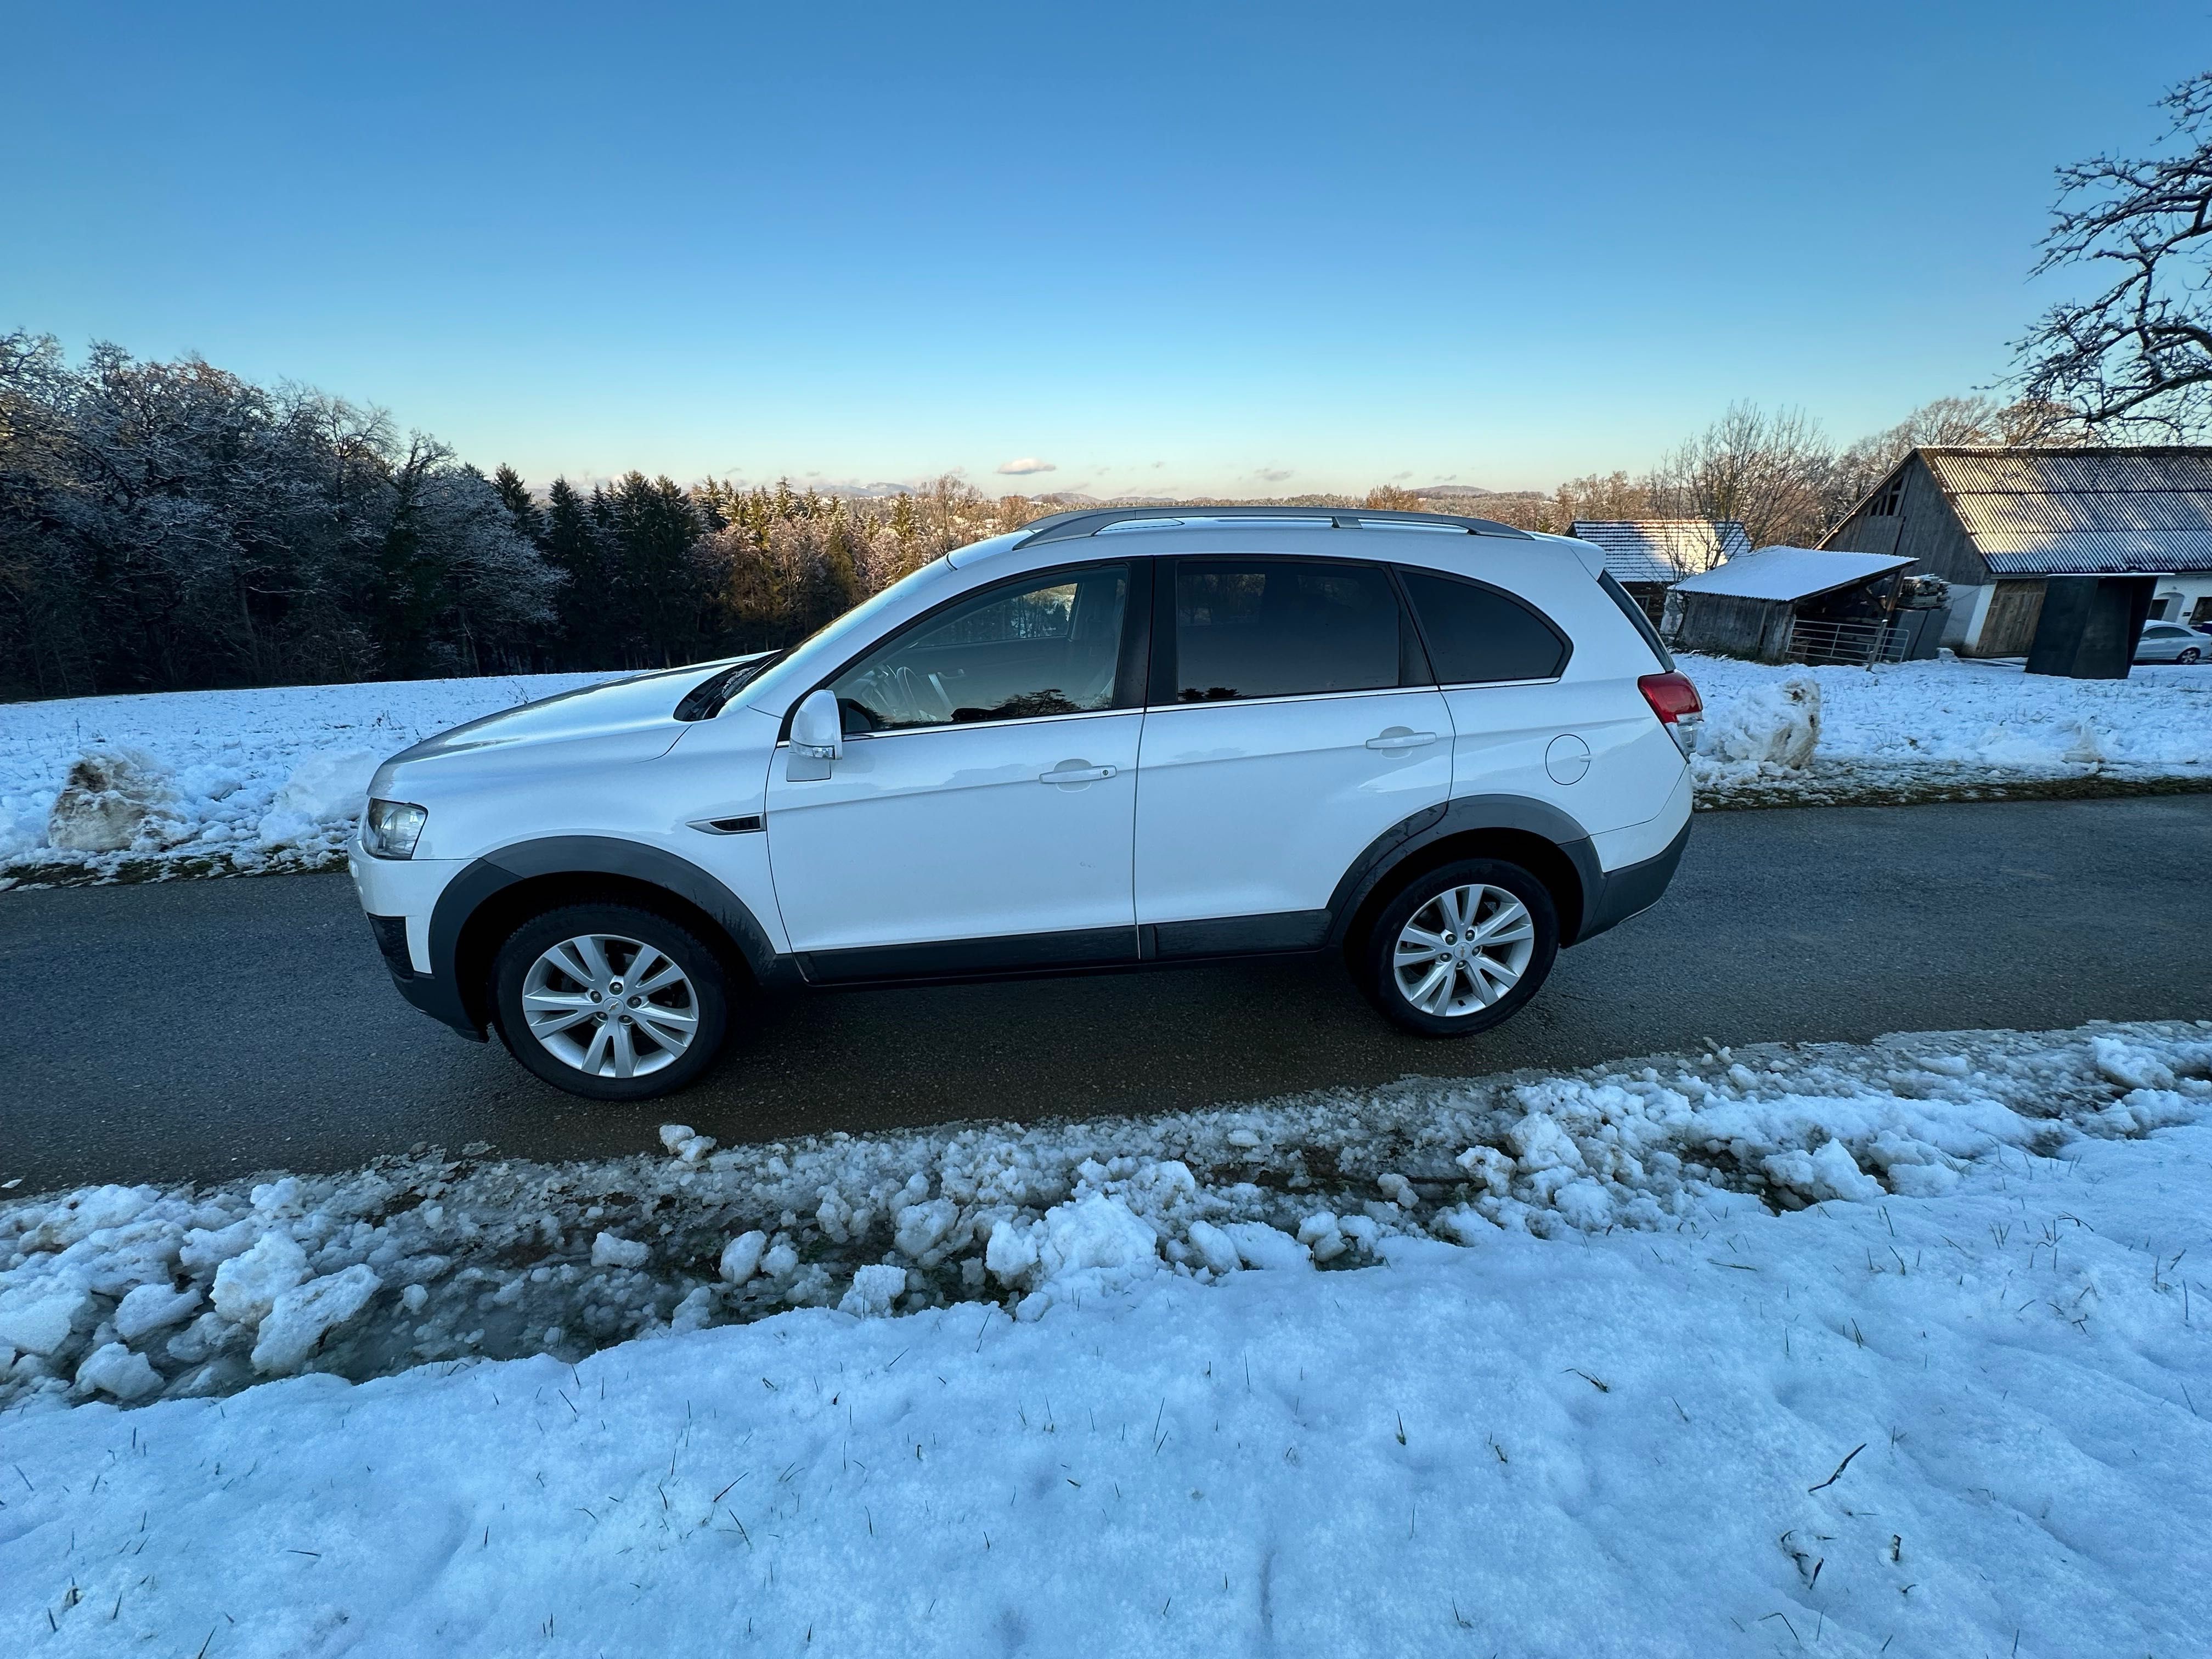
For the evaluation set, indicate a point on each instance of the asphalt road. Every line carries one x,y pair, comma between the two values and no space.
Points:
210,1029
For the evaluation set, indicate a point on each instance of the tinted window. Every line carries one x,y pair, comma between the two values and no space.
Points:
1477,633
1257,628
1046,646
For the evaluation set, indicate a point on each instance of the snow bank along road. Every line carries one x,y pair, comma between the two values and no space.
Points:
1898,1349
192,783
205,1029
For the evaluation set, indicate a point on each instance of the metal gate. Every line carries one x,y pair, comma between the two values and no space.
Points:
1855,644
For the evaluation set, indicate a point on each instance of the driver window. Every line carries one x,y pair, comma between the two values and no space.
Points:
1045,645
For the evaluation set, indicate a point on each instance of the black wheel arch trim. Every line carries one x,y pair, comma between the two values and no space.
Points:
1465,815
440,993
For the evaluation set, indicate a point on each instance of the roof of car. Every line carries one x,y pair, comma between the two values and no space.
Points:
1089,522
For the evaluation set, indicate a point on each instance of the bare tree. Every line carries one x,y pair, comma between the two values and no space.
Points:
1770,472
2137,358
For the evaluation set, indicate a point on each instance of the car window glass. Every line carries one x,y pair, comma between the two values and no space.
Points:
1476,633
1256,627
1046,646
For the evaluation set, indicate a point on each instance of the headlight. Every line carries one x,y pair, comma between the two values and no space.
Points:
390,828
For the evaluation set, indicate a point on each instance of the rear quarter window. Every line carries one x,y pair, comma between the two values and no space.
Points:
1476,633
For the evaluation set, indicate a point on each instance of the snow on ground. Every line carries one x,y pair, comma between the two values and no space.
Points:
1949,727
1895,1347
241,781
234,782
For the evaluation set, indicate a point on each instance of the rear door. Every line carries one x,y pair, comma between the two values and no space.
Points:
1289,723
987,794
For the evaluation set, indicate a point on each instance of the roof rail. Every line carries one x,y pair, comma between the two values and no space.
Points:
1067,526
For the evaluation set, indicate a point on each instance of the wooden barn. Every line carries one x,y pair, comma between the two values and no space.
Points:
1791,604
1998,525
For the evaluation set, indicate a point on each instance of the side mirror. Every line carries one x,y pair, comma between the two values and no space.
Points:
818,737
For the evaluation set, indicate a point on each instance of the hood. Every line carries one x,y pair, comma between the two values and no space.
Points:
632,719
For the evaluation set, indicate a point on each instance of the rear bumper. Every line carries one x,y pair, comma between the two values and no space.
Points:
1631,888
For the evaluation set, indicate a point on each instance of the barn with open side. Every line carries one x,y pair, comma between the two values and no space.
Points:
1789,604
2133,525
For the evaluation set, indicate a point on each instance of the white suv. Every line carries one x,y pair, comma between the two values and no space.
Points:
1441,746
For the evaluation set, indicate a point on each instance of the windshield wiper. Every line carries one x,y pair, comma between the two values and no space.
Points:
712,695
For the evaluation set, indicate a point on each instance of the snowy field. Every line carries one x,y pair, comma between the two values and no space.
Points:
1896,1348
1948,729
243,782
239,781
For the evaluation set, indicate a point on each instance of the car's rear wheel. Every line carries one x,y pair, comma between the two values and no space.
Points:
609,1001
2190,653
1459,949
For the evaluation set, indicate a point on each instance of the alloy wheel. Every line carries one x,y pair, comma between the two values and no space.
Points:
1463,950
610,1006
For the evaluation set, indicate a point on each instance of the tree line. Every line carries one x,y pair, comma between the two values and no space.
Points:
171,526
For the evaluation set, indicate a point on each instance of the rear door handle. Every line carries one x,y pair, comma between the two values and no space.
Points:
1399,737
1078,773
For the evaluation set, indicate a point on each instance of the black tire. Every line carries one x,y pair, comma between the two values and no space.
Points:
2190,653
1375,959
704,996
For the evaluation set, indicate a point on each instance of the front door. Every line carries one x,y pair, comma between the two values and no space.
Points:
1295,727
983,813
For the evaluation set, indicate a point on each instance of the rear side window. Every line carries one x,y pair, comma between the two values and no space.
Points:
1260,627
1476,633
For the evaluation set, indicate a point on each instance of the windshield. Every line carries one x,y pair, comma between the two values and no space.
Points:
856,619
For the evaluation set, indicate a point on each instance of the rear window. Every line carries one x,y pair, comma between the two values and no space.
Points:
1256,627
1475,633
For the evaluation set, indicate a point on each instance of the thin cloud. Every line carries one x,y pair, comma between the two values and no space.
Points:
1026,465
1272,475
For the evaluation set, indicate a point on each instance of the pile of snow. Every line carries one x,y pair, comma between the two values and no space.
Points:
430,1258
215,782
1964,1419
1810,734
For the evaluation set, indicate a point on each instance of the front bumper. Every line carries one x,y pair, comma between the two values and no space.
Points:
399,896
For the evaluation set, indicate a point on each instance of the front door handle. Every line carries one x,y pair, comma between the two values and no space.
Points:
1076,772
1399,737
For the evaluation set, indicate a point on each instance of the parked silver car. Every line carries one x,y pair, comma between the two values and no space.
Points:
2164,641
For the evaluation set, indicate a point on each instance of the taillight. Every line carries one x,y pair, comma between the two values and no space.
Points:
1677,704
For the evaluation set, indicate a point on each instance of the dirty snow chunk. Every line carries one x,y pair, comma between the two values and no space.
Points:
150,1307
204,1247
1094,1243
609,1250
780,1261
91,1209
327,788
1215,1247
1243,1138
302,1316
414,1298
40,1324
114,1369
107,800
741,1256
922,1225
1768,725
1259,1245
694,1311
1397,1189
686,1142
2129,1067
1462,1222
247,1286
875,1290
1320,1234
1830,1172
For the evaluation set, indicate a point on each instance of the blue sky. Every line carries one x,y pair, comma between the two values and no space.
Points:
1164,248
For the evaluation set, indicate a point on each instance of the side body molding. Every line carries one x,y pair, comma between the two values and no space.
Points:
439,992
1460,816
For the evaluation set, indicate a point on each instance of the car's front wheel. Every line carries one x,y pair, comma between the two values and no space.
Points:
2190,653
1462,948
609,1001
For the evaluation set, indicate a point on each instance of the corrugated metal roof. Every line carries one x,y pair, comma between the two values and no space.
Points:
1789,572
1661,550
2042,511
